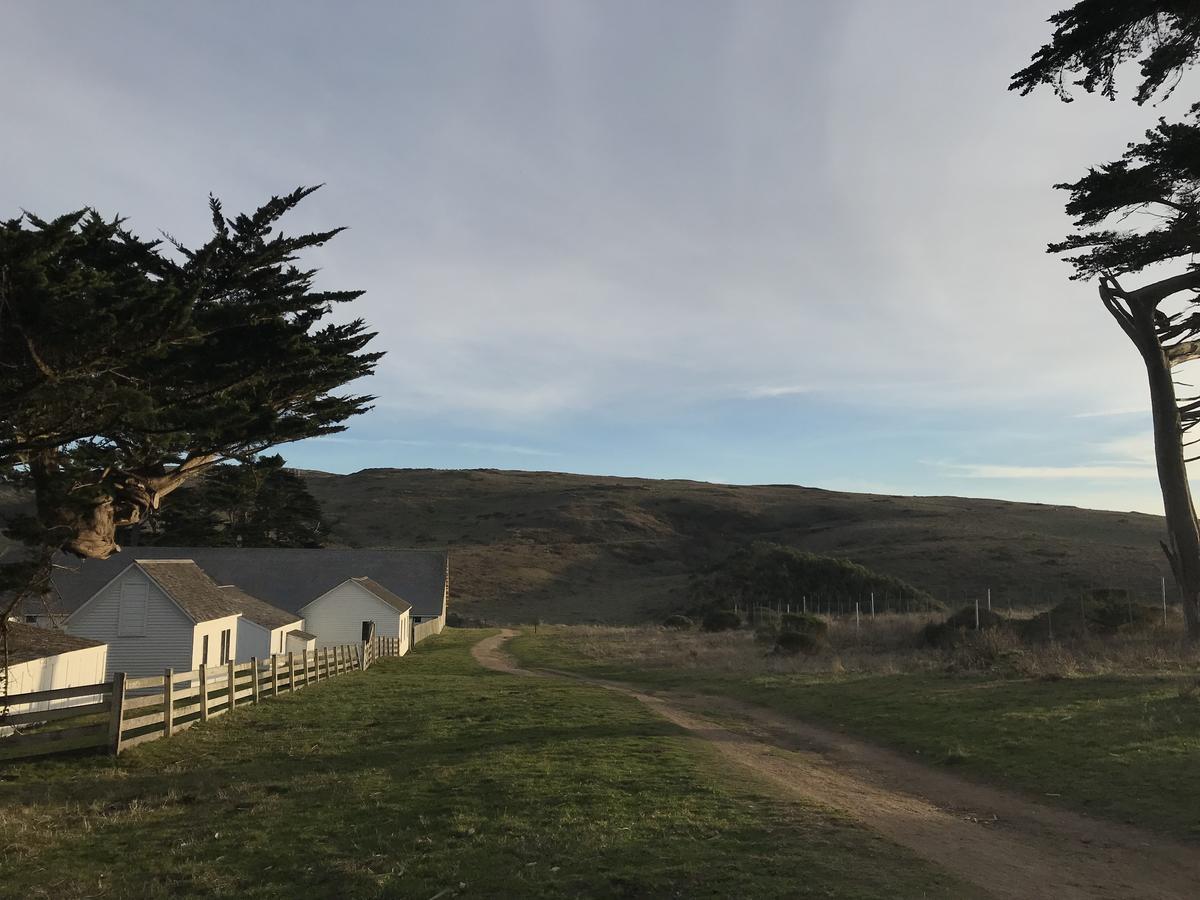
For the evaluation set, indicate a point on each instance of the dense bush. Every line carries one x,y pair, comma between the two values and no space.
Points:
721,620
789,643
774,575
1106,611
952,630
681,623
804,623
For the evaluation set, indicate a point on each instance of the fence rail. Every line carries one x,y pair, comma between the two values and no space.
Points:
128,711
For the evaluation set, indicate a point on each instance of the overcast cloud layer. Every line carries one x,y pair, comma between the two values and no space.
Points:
755,242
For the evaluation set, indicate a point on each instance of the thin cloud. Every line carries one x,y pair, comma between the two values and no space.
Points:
767,391
1082,472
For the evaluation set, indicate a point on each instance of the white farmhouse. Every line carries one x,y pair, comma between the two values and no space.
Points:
158,614
355,610
264,629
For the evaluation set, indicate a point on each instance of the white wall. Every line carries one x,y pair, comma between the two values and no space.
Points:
213,629
70,669
167,640
337,617
255,640
297,644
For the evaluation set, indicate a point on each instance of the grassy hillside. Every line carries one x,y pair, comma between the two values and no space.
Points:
578,548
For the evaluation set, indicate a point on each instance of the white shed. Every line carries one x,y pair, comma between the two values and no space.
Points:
41,659
157,614
355,609
301,641
263,629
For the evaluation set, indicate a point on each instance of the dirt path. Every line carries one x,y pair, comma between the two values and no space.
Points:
1006,845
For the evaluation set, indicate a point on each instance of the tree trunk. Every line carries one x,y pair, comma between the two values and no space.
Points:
1183,538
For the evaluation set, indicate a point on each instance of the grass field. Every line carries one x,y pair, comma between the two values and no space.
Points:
429,776
1119,746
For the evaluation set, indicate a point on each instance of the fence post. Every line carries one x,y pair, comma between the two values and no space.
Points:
291,671
203,692
168,703
231,677
274,674
116,717
254,685
325,654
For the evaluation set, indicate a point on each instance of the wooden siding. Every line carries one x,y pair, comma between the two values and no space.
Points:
168,637
337,616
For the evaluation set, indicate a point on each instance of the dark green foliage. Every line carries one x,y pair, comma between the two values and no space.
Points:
772,575
1106,611
681,623
804,623
956,626
128,371
1093,37
1159,179
256,504
721,620
789,643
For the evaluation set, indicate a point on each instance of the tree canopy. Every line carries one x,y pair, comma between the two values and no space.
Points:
1094,37
767,574
1154,190
256,504
130,366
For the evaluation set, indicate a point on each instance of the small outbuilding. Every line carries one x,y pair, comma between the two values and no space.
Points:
301,642
263,629
43,659
158,614
357,609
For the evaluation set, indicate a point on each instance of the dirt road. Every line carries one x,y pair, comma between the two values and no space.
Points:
1005,844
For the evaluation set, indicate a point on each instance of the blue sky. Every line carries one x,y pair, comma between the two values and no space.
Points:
744,242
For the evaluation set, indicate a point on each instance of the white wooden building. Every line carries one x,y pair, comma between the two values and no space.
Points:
355,609
158,614
43,659
263,629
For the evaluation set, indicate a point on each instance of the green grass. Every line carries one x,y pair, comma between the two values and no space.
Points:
1124,748
428,776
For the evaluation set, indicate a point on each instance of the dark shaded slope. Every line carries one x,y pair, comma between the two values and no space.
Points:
529,545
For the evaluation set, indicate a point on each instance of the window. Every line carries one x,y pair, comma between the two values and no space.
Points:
204,652
131,615
225,640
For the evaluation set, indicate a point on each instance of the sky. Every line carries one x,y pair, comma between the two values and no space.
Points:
756,242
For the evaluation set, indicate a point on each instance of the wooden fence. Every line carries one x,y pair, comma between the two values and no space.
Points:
133,710
428,628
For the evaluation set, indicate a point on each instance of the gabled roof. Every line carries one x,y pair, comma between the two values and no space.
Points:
260,612
286,578
27,642
382,593
185,583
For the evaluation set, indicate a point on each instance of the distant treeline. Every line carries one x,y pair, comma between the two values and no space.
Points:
765,574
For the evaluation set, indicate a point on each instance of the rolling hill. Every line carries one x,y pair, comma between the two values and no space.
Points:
579,548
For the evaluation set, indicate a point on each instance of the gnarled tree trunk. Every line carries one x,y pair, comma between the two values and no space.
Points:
1137,313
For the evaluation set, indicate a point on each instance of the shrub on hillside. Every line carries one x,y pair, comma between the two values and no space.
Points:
804,623
721,620
1107,611
789,643
956,626
681,623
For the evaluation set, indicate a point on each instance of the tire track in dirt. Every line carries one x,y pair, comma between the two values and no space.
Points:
1006,845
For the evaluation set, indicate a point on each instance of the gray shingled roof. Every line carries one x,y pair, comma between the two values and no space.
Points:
258,611
285,578
26,642
187,585
383,594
